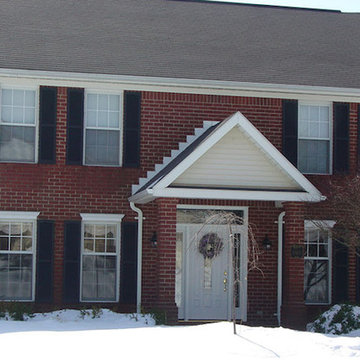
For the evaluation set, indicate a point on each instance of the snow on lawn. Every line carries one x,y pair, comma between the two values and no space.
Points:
65,335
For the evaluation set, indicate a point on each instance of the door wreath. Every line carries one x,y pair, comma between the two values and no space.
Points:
210,245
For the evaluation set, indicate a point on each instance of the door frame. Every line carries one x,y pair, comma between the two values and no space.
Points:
241,311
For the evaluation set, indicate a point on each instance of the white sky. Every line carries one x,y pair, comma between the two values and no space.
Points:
343,5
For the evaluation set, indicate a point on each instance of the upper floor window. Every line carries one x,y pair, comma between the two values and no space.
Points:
18,125
102,129
314,138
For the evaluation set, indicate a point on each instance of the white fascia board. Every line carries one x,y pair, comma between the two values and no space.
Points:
19,215
275,154
236,195
183,85
142,197
219,132
102,217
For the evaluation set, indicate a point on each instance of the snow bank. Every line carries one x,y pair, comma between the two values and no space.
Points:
70,334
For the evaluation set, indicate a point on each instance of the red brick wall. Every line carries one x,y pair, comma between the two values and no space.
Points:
61,192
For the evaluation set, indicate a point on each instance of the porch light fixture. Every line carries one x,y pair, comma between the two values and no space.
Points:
266,243
153,239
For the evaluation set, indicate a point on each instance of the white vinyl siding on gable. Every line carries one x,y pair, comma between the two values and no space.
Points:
236,162
102,129
314,138
18,125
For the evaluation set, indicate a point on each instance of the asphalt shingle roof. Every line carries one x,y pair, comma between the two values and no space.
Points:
180,39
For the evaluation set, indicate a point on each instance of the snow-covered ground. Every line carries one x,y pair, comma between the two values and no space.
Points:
65,335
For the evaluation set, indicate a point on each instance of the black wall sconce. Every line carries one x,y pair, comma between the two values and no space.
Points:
153,240
266,243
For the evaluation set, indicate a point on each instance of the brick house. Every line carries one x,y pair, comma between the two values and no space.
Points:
118,136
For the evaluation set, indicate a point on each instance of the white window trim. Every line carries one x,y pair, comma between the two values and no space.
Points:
37,105
322,224
121,123
331,138
25,216
101,219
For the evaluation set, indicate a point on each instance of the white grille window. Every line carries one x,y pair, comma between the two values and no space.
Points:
102,129
18,125
314,133
17,257
100,260
317,264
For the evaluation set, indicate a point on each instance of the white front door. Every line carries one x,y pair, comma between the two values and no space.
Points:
207,277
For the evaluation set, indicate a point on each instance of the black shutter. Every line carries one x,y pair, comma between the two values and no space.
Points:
75,125
341,278
72,241
128,272
358,140
357,277
290,130
341,138
47,125
132,115
44,261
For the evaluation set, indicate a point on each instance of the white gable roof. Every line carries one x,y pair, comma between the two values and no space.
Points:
231,160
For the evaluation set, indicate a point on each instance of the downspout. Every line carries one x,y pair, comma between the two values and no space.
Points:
280,260
140,219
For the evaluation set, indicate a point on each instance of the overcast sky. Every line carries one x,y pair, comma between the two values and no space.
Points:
343,5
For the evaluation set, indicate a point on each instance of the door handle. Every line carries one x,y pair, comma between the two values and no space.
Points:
225,284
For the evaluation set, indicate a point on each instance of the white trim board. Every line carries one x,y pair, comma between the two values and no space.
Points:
195,86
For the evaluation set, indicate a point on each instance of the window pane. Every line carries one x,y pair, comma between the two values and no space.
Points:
99,278
17,143
18,115
15,244
4,243
316,281
102,119
18,98
110,246
91,118
88,245
113,119
6,114
103,102
30,98
100,231
313,156
102,147
6,97
15,277
114,102
91,102
100,245
111,231
27,244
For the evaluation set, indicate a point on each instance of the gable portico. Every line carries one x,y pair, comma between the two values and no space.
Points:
228,163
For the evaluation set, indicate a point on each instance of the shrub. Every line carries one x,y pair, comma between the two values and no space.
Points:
340,319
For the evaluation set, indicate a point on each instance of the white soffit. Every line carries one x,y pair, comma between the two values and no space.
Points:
233,161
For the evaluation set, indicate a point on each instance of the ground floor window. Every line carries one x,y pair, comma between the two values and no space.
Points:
100,251
317,263
17,256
